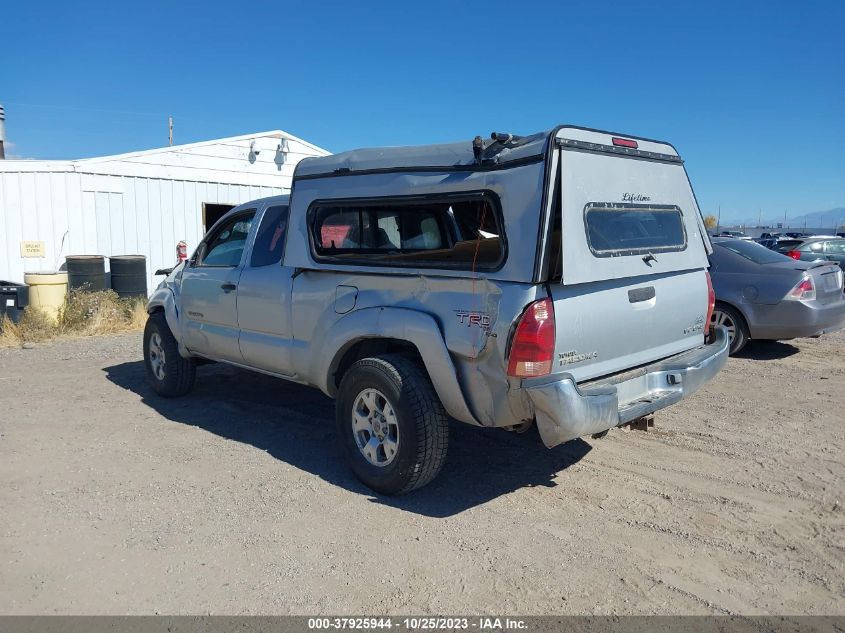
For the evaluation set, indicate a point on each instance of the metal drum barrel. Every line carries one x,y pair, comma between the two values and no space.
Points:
86,272
129,275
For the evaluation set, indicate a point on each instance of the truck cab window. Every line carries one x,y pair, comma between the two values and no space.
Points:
226,246
270,239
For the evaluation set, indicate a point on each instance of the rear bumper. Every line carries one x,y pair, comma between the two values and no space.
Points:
564,411
796,319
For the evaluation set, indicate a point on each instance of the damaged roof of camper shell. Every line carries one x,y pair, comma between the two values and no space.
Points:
499,151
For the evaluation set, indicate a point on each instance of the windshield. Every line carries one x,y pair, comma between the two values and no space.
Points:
755,252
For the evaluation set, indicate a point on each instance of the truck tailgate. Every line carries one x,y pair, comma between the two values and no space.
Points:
630,286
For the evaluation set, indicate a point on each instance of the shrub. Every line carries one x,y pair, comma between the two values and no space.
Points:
82,314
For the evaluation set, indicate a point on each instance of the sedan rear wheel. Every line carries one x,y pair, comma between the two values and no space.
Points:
732,320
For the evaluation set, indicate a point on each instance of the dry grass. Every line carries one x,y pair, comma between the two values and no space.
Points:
82,314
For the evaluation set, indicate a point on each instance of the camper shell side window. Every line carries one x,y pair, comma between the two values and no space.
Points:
464,231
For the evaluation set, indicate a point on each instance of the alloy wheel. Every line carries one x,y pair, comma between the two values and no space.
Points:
375,427
158,363
722,318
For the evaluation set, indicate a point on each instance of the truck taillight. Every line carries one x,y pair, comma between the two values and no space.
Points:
794,254
804,290
533,344
711,301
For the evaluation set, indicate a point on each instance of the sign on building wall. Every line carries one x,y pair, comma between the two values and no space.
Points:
33,248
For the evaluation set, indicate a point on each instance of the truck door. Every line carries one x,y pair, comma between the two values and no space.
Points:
210,289
264,297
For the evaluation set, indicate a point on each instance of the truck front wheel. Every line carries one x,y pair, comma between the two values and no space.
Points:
391,424
170,375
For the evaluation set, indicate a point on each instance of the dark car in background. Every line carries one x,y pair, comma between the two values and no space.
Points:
739,235
811,249
771,242
764,295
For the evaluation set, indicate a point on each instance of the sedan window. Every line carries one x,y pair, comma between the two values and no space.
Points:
753,251
835,246
788,245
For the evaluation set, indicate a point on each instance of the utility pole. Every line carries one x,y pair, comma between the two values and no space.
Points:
719,219
784,218
170,125
2,133
759,217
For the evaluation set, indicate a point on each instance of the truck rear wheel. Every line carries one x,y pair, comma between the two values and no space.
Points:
391,425
170,375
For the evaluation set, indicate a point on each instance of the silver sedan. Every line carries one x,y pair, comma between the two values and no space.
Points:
764,295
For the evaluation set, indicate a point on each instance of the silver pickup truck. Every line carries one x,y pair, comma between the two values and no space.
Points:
558,278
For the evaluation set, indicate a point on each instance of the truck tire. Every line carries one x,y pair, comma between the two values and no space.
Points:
170,374
726,315
391,425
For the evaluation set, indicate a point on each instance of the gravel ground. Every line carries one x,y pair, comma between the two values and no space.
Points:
234,500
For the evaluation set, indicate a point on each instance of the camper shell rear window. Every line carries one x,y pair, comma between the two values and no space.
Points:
617,229
463,232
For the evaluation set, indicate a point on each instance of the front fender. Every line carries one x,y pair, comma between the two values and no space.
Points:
417,328
164,299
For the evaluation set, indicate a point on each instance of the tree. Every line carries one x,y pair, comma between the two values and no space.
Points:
710,221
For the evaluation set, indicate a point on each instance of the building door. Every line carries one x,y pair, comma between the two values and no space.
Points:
213,212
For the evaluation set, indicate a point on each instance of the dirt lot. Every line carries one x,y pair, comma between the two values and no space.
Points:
234,500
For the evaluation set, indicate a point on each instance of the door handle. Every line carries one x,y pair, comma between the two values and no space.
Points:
641,294
227,287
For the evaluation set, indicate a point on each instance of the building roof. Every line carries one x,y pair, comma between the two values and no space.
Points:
279,134
65,164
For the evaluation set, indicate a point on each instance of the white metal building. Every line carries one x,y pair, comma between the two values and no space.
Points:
138,203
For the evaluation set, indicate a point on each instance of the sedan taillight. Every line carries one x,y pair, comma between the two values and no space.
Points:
804,290
794,254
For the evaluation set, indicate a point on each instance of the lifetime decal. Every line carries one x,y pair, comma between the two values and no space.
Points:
635,197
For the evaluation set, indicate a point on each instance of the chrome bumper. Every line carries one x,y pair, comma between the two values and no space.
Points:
564,411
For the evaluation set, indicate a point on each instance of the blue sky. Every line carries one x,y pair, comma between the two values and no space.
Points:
752,94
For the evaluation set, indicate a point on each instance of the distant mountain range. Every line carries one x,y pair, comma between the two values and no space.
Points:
832,218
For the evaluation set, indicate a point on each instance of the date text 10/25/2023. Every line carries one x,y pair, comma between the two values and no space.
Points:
418,623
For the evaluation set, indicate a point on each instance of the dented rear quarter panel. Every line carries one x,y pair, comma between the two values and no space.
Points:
474,318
